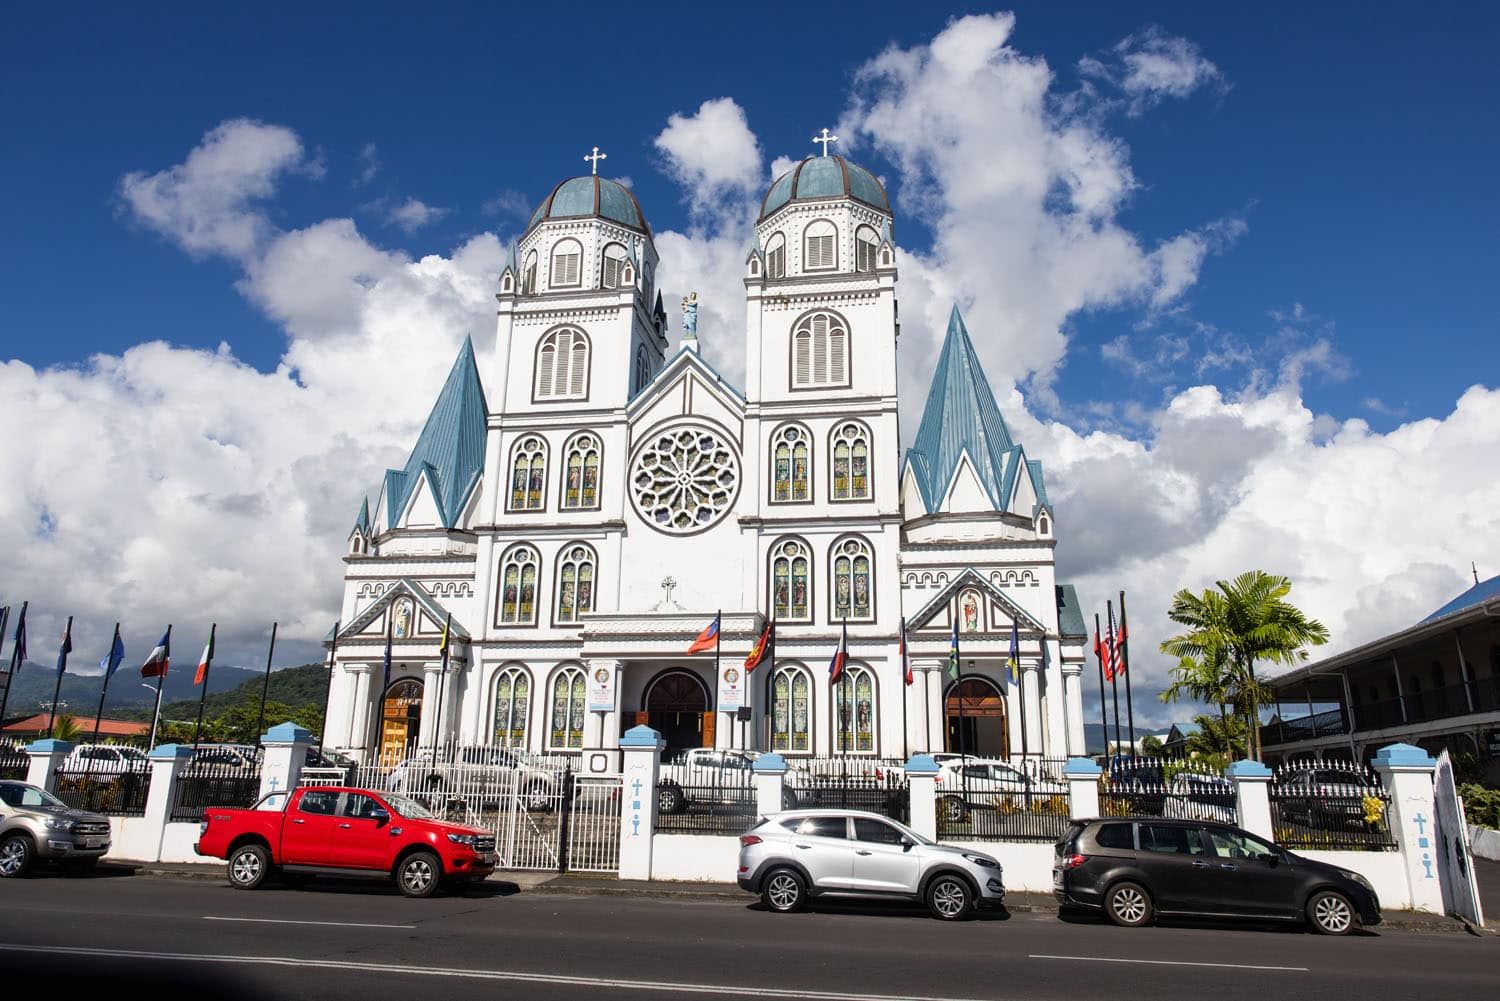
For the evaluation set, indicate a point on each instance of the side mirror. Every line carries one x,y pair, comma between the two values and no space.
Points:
380,816
1269,858
906,842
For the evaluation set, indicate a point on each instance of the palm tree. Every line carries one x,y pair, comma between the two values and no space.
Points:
1230,628
67,728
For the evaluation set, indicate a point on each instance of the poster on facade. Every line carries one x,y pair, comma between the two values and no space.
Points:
601,689
731,688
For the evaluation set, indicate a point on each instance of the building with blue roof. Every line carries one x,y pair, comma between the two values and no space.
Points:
580,506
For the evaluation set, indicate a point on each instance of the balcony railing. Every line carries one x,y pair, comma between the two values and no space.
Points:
1420,707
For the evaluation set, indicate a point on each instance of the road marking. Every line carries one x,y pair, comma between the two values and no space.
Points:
520,976
287,921
1175,962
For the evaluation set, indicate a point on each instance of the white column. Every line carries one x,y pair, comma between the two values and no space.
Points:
47,756
1407,773
431,679
1073,695
1252,800
1082,776
921,783
167,763
357,723
641,749
937,681
770,773
1033,695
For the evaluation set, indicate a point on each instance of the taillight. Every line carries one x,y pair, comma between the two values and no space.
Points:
203,826
1074,861
746,840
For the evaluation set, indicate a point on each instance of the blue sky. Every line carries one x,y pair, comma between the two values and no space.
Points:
1226,304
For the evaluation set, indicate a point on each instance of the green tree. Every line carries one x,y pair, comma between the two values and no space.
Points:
1151,746
66,727
1233,626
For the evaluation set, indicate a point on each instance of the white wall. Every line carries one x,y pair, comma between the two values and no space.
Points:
1486,843
1385,871
695,857
1025,867
133,838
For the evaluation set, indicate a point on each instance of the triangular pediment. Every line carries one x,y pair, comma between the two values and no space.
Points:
1005,610
426,618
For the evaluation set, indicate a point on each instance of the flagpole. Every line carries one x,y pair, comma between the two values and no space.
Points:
437,724
1124,648
62,665
328,689
719,639
1114,686
1103,705
156,718
958,693
203,695
15,650
771,688
260,720
1021,690
905,688
108,672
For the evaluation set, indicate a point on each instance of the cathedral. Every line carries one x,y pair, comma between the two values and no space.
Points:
573,520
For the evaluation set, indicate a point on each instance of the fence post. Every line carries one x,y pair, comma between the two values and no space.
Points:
770,774
167,763
1082,775
921,784
47,756
285,753
1407,774
1252,797
641,749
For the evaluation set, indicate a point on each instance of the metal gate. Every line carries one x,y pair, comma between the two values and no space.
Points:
570,824
1456,868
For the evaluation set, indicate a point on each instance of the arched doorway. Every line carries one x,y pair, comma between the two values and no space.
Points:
400,720
677,708
981,727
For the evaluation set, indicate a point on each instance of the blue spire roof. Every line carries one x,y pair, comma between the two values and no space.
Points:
961,416
450,451
362,523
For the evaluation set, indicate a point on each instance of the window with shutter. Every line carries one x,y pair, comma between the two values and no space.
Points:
802,349
614,266
562,365
836,375
565,261
820,351
776,256
819,251
865,245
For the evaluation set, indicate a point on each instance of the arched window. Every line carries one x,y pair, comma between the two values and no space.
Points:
642,368
791,464
969,615
566,731
850,450
518,572
791,710
1043,525
613,267
865,245
854,702
528,474
567,259
853,580
820,246
562,365
575,582
512,704
790,587
820,351
581,457
776,256
528,275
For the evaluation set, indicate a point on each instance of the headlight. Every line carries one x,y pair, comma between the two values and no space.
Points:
980,860
1356,877
59,824
461,839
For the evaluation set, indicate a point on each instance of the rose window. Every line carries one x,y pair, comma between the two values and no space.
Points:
685,480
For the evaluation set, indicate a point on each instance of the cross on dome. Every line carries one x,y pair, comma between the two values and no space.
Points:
594,160
825,139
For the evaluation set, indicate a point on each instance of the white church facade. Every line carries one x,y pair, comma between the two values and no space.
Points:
583,510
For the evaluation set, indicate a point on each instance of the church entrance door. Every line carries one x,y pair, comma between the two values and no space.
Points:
981,728
400,721
677,708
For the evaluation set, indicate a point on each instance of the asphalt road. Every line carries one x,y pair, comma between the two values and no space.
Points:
361,942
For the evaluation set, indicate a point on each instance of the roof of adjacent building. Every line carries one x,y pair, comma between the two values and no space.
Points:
40,723
825,177
450,450
1478,594
1070,612
585,197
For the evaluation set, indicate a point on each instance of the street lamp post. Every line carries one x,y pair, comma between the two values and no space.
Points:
151,744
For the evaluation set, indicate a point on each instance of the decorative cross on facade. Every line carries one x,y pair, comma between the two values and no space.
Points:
667,583
825,139
594,160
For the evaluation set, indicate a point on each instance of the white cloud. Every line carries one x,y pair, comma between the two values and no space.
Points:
412,214
1151,66
712,152
369,164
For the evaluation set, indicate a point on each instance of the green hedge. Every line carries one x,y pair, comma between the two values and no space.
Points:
1482,805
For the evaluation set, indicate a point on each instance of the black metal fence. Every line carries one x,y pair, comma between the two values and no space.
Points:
704,809
14,763
115,794
1330,806
848,782
1020,800
201,786
1162,787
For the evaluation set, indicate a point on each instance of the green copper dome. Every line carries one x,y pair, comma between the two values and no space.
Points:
585,197
820,177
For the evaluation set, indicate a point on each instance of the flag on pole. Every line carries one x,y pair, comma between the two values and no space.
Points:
1117,652
65,647
18,652
1015,653
111,661
4,618
385,679
707,639
208,655
160,659
840,657
953,653
443,643
905,654
761,648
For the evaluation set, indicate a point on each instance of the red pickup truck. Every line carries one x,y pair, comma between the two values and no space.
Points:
332,830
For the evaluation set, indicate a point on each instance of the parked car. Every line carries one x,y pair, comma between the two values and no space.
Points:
1200,796
323,767
705,776
1327,796
791,857
1134,870
986,783
106,759
480,772
224,758
332,830
36,825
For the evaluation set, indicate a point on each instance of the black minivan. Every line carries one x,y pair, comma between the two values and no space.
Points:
1137,867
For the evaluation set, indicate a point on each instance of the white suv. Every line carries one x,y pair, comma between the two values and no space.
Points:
106,759
791,856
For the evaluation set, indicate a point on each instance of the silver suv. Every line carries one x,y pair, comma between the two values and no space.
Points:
791,856
34,824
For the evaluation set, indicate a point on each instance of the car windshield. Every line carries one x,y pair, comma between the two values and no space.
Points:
132,754
410,808
20,795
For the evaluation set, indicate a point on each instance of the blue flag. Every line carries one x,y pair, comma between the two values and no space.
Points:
953,651
111,662
386,682
1015,653
65,647
18,652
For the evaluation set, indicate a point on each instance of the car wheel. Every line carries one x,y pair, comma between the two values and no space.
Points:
16,853
784,891
1128,904
949,898
248,867
669,799
418,874
955,810
788,799
1330,913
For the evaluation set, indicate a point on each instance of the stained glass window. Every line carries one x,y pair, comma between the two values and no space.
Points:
575,583
512,703
790,710
791,459
851,462
852,584
567,710
581,472
789,580
518,586
528,475
854,702
684,480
